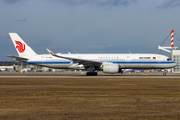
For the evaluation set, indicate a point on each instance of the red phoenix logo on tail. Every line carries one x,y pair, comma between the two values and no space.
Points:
20,46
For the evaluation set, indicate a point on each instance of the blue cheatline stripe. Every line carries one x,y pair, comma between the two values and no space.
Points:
144,62
117,62
48,62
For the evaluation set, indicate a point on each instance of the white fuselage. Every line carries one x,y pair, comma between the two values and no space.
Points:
125,61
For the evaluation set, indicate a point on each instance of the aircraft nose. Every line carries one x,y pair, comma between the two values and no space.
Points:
174,65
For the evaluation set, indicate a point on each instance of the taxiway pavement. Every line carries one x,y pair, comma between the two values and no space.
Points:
78,76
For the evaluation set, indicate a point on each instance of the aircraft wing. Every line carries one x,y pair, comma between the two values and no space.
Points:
17,58
80,61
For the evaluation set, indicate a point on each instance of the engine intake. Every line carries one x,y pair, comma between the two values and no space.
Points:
111,68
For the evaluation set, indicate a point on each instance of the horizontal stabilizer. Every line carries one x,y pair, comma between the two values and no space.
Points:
17,58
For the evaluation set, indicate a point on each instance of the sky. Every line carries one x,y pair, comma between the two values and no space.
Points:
89,26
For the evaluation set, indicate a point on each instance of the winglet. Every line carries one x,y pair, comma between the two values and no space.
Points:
50,51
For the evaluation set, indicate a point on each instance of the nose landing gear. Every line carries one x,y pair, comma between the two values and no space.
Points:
164,74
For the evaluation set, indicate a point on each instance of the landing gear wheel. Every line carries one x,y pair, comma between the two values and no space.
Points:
91,74
164,74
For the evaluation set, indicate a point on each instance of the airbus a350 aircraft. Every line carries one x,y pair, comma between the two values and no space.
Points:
108,63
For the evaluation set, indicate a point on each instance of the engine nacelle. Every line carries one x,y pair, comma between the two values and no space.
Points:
111,68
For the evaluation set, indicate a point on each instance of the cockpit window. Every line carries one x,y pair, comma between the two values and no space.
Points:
169,59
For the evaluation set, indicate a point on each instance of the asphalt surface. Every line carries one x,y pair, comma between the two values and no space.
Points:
80,75
77,76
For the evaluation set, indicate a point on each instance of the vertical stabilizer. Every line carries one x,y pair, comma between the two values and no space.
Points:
22,48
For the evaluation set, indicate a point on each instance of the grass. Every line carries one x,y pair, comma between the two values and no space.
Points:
89,98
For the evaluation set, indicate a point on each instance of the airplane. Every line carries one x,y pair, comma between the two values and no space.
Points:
107,63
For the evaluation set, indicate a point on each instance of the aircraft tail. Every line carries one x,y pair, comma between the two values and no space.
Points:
22,48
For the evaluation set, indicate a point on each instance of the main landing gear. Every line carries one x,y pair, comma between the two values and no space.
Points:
91,74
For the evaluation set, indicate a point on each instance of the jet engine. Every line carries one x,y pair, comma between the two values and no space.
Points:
111,68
